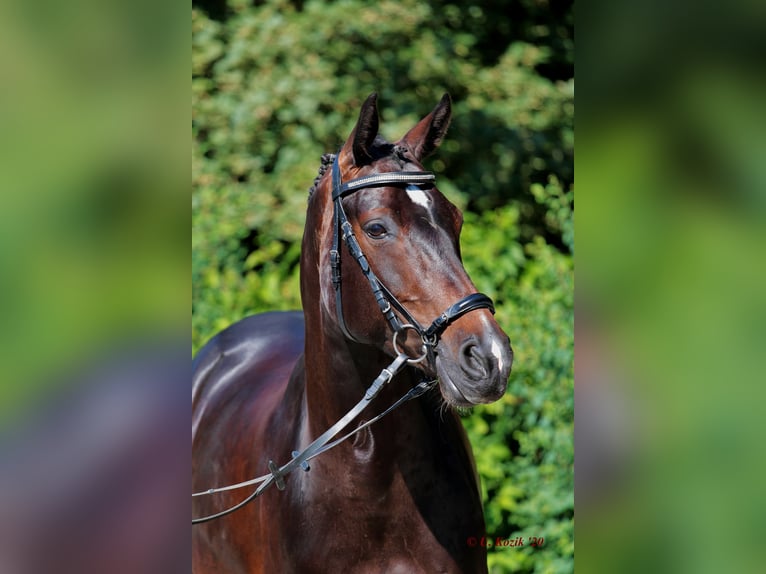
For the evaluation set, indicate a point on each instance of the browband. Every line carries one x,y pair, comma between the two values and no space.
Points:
392,178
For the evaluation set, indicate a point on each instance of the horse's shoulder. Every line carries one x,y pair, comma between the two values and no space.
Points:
255,334
251,351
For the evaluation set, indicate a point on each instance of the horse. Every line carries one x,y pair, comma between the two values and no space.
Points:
401,495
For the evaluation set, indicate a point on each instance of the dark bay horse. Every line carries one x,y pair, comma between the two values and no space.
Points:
402,495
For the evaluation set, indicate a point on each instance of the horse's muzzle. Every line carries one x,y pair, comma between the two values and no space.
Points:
477,372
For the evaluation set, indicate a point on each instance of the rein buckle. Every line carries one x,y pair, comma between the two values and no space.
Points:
279,478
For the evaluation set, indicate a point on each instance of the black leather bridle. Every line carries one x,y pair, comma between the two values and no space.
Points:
387,302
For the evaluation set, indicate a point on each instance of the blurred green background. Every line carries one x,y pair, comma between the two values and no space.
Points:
276,84
94,286
93,187
671,287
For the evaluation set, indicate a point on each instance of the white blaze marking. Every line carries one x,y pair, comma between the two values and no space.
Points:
498,354
418,196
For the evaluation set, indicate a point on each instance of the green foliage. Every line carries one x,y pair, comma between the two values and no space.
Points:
523,443
275,85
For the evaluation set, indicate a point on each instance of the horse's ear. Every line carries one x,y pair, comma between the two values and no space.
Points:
425,137
359,143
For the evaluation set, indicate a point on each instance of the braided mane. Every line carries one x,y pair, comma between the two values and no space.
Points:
381,149
327,161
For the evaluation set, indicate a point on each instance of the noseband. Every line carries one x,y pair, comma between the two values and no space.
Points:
387,302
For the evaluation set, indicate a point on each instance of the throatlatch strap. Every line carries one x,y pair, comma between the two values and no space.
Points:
335,256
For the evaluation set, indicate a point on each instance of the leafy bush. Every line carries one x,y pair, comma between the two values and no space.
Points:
275,85
523,443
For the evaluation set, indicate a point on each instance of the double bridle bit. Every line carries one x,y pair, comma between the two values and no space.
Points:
387,303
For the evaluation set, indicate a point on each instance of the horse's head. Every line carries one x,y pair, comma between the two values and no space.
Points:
409,235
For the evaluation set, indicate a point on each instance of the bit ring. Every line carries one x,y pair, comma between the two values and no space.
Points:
414,360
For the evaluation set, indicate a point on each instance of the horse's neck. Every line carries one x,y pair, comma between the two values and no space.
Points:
337,375
416,450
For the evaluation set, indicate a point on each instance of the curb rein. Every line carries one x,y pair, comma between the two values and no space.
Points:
387,302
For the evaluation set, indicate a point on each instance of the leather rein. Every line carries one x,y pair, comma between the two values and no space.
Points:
387,303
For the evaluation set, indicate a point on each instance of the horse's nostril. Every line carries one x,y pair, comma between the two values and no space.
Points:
474,362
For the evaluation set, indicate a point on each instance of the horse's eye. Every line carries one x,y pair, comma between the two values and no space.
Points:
375,230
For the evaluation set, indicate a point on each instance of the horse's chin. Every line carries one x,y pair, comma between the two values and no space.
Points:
461,392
